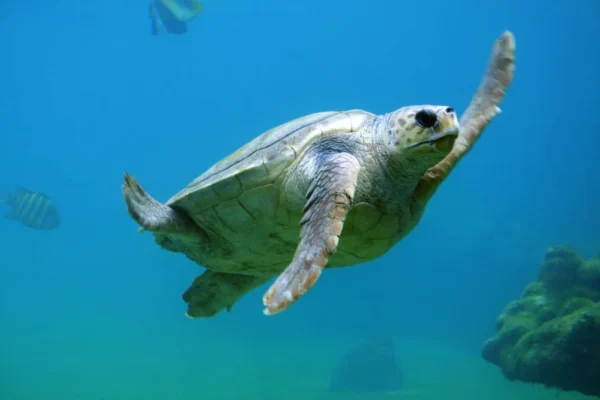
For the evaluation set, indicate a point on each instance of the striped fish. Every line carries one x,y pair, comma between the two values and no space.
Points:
34,209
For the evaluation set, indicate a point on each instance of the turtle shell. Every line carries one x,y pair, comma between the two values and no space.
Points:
242,183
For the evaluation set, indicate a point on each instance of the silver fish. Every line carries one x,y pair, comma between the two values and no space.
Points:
34,209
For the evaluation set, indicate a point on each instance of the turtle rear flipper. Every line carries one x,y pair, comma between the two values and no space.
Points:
212,292
152,215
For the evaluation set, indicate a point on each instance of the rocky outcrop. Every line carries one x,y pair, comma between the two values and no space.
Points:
551,335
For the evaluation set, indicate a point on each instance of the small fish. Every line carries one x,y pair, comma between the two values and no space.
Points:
171,16
34,209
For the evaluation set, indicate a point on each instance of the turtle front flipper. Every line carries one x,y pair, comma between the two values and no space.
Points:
482,109
329,199
492,89
212,292
152,215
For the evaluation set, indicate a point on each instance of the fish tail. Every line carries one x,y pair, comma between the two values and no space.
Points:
6,197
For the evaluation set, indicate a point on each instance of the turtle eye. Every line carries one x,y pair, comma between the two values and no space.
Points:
426,118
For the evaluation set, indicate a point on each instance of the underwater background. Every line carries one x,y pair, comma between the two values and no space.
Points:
93,311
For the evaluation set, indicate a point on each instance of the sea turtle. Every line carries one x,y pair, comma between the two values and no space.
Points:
328,189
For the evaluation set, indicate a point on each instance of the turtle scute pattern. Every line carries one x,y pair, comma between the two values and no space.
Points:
241,188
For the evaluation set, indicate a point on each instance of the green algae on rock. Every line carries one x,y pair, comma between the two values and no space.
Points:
551,335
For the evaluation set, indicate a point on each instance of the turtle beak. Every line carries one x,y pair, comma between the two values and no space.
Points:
442,141
445,141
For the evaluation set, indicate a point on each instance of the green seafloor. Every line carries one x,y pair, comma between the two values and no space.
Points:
142,366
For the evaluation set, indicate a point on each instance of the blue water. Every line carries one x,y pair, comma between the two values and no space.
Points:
93,310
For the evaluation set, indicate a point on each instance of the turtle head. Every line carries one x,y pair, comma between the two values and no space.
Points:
413,139
422,131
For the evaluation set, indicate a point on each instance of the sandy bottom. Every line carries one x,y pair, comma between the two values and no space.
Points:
136,364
